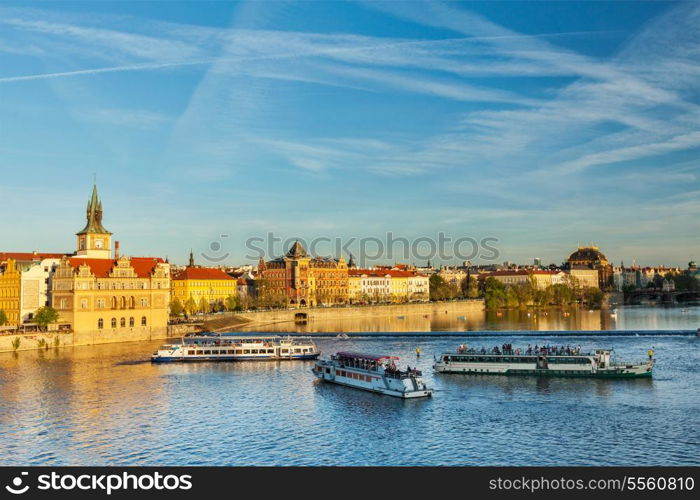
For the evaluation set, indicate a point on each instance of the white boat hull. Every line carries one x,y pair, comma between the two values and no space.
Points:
404,388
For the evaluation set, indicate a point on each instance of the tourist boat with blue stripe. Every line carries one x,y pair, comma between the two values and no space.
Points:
545,362
374,373
225,347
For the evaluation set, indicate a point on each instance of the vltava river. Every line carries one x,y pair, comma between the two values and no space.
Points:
107,405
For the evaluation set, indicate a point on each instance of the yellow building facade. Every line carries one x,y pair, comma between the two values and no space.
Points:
585,277
110,298
202,284
10,292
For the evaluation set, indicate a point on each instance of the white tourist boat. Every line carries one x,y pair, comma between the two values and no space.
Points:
372,373
223,347
543,362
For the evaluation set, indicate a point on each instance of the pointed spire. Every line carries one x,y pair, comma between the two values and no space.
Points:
297,250
191,259
94,215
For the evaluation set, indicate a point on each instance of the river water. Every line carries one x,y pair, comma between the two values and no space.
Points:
107,405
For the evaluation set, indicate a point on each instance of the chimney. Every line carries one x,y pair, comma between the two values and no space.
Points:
116,250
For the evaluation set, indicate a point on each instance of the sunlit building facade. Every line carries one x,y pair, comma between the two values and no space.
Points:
300,280
110,297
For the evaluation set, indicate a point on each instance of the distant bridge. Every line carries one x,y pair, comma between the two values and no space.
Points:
649,295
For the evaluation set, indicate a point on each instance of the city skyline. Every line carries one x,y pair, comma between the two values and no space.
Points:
354,120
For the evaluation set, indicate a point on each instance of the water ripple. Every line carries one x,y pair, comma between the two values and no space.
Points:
104,406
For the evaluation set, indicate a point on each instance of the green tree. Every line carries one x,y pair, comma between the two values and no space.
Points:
3,318
562,295
593,297
176,308
686,282
523,294
45,316
231,303
495,293
190,306
441,290
540,298
204,305
469,287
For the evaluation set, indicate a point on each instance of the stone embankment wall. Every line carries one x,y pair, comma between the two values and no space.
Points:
29,341
228,321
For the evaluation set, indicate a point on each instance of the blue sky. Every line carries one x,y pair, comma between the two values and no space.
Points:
543,124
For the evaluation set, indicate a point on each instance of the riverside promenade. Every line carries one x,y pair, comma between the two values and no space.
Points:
16,341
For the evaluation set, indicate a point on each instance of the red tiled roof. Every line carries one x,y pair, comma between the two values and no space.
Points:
382,273
24,256
143,266
201,273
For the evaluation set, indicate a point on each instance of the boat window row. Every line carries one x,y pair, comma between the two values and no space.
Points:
519,359
354,376
193,352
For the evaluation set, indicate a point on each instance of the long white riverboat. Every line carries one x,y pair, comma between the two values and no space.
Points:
374,373
542,363
223,347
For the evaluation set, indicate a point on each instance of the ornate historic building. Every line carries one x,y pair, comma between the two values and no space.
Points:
111,298
300,280
591,257
36,272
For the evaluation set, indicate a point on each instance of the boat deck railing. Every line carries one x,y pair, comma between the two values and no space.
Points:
513,352
403,375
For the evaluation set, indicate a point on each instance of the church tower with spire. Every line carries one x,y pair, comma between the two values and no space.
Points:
94,241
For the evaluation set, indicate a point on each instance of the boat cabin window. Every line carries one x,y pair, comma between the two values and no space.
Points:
191,353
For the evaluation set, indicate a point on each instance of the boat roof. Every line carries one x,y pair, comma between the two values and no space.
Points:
230,336
360,355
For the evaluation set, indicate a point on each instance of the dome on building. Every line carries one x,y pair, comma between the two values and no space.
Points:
587,255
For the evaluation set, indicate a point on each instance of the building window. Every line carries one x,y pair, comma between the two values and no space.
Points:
100,324
114,322
114,302
143,320
100,303
122,322
144,302
131,322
